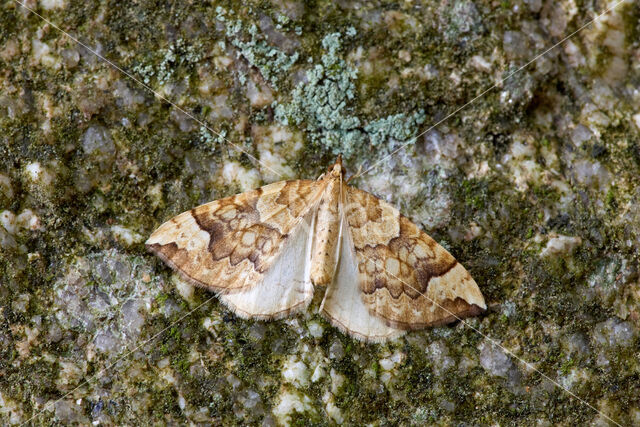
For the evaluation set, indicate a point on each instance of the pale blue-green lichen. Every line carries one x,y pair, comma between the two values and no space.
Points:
324,105
271,62
163,65
212,140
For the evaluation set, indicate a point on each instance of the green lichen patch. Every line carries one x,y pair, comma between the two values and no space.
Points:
324,103
165,62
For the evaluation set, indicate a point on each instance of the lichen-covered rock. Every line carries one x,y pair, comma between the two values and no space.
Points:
494,359
526,172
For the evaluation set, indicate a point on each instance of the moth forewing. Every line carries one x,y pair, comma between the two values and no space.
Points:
229,244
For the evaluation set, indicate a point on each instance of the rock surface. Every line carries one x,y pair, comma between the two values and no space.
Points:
533,186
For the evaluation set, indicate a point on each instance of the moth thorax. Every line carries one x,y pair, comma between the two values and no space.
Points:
337,171
324,255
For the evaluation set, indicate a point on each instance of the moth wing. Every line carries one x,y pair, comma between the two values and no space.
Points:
404,276
286,285
229,245
342,304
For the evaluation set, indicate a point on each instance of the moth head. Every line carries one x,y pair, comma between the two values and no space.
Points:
337,170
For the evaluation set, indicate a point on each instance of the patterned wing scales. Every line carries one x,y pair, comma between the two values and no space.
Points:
404,276
286,285
342,304
229,244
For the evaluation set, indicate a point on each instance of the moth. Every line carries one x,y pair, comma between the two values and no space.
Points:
264,251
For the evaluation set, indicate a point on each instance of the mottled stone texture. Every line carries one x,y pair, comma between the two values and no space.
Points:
533,187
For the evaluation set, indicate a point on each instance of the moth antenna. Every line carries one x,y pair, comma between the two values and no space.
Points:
357,174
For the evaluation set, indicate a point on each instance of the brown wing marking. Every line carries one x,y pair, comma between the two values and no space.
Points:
229,244
405,277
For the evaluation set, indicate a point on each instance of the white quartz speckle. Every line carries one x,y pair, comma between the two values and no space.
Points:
125,235
636,120
318,373
259,96
386,364
332,409
38,173
559,244
28,220
53,4
185,289
337,380
494,359
288,402
315,329
8,221
232,172
42,55
592,173
295,372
